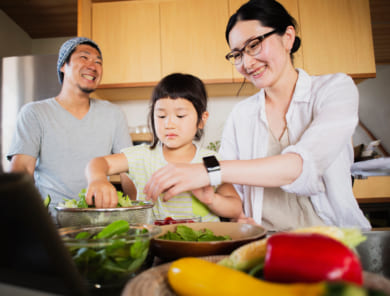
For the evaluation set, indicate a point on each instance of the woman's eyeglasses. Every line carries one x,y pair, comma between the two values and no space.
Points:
251,47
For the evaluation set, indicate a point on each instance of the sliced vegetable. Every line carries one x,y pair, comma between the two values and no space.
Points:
252,254
69,203
170,220
47,201
194,276
123,200
247,256
309,258
82,203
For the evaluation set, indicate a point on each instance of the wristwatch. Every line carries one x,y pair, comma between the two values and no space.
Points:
213,169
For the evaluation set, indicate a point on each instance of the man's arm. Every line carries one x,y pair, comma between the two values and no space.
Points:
22,163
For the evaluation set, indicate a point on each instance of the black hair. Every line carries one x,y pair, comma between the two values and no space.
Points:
86,43
269,13
174,86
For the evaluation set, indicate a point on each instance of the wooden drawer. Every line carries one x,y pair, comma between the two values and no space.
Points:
373,189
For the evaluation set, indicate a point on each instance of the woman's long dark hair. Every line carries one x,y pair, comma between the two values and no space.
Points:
269,13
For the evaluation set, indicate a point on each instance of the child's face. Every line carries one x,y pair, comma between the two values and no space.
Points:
175,121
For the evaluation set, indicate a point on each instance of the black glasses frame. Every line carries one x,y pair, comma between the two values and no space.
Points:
242,50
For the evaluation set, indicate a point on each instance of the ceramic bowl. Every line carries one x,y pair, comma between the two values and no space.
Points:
240,234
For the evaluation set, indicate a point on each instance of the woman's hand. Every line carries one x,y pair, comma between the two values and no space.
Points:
104,194
173,179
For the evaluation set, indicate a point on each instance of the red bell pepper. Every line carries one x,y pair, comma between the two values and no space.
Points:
308,257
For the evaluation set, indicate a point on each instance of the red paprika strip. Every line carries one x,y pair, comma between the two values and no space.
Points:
308,257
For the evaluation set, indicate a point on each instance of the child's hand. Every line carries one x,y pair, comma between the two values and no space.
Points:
104,194
205,194
244,219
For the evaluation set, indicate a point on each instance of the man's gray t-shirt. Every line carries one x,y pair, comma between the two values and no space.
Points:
63,144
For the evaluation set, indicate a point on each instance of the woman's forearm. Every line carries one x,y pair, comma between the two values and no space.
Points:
274,171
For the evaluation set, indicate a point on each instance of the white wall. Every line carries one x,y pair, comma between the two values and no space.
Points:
137,111
47,45
14,41
374,107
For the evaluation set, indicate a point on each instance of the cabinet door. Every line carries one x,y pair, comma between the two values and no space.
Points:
337,37
192,38
129,36
292,7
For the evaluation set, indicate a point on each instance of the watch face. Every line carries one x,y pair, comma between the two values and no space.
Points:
211,162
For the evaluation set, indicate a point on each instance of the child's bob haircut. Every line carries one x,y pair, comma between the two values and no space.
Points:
175,86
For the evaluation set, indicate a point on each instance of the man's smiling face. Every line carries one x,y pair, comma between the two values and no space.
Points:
84,69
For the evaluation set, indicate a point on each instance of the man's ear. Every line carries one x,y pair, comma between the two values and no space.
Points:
62,69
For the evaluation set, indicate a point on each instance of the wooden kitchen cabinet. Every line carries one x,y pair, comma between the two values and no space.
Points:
192,38
144,40
128,33
337,37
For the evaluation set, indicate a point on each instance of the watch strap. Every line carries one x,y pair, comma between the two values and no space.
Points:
215,177
213,169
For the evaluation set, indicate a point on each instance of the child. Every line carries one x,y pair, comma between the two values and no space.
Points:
178,113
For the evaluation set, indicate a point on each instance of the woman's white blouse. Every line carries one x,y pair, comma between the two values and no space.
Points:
321,120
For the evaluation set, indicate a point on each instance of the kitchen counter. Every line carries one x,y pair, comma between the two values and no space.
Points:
374,253
115,179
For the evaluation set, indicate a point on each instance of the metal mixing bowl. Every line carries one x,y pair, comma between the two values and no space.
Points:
140,212
375,252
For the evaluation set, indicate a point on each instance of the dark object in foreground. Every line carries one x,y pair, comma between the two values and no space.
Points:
34,256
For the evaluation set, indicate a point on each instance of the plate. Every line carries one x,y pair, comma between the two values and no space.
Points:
154,281
240,234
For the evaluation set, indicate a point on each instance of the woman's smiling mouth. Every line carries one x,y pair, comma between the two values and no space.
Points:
259,72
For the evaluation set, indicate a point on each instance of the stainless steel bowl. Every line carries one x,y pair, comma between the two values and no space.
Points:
140,212
375,252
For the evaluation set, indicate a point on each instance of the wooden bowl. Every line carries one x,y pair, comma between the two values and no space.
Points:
239,232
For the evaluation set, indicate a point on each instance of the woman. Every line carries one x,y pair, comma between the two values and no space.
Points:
289,146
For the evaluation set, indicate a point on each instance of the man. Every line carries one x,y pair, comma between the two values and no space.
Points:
55,138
